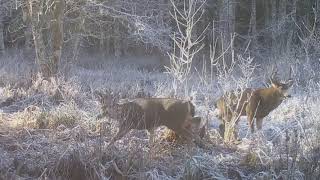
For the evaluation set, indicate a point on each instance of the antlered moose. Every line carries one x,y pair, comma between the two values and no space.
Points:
253,103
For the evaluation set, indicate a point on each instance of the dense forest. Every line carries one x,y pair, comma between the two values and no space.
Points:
160,89
120,28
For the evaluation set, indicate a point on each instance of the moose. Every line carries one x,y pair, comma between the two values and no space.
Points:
150,113
253,103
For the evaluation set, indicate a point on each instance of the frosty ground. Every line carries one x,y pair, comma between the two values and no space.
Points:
48,129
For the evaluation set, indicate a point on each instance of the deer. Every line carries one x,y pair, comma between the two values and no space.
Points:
253,103
150,113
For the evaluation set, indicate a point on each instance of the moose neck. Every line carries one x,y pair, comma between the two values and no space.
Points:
271,98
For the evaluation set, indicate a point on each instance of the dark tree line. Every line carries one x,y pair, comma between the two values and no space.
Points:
49,28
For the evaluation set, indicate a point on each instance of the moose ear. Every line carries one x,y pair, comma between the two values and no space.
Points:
190,105
189,98
275,84
196,119
123,101
186,101
196,122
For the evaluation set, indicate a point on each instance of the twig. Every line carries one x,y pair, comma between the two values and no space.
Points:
116,168
27,132
44,171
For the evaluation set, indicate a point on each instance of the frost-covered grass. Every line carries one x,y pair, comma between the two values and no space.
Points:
48,129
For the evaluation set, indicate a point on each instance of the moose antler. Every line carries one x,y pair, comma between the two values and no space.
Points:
289,81
273,78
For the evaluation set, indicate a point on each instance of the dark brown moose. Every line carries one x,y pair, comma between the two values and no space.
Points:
150,113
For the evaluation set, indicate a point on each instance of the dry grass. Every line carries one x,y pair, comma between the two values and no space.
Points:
49,130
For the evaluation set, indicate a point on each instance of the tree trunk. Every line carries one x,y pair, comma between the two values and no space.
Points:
102,48
293,26
227,25
282,8
1,38
47,61
79,30
101,42
253,24
317,8
57,34
28,30
267,13
230,133
282,17
76,47
274,28
227,28
35,11
117,40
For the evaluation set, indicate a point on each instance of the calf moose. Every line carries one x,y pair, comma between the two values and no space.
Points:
252,103
150,113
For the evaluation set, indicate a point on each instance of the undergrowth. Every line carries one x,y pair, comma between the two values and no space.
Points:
49,130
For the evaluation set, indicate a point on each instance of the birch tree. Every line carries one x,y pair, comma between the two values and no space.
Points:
186,44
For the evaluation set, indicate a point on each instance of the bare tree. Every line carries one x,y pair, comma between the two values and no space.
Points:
234,87
293,29
27,23
2,15
232,84
48,57
309,36
121,24
57,34
282,38
186,45
79,29
1,37
274,21
253,23
227,25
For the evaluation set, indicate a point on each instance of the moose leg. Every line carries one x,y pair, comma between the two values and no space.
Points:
123,130
151,136
252,110
259,123
198,141
202,132
251,122
103,114
237,139
151,143
221,129
222,125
